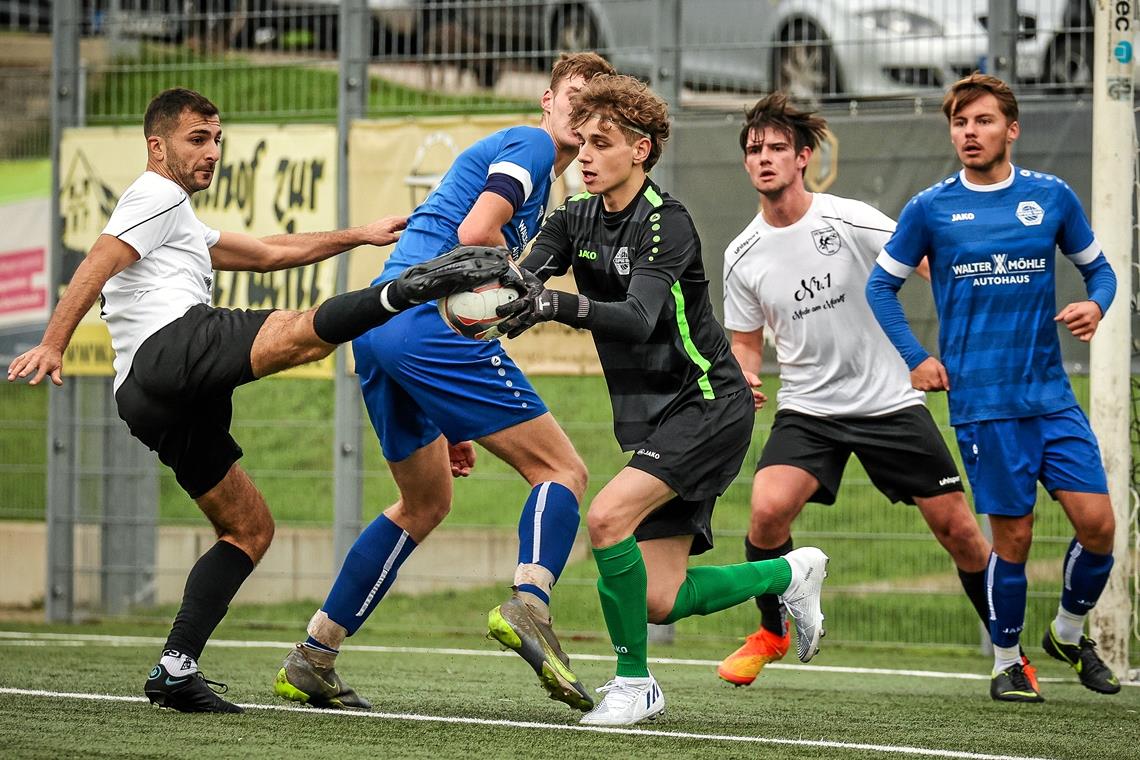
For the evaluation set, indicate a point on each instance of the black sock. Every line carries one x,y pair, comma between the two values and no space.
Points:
974,584
349,315
772,616
211,585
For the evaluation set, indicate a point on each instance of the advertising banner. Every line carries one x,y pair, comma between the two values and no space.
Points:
270,180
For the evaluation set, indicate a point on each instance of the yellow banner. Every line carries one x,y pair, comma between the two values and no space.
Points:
396,163
270,179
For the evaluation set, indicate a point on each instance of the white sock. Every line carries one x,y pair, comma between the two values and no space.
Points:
1067,626
178,664
631,681
1005,657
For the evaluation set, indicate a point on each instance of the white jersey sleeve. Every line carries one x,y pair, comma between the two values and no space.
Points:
743,311
145,216
869,227
210,234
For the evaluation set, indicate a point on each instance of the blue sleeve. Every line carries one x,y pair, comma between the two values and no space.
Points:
508,188
1075,236
911,239
1100,282
526,155
883,297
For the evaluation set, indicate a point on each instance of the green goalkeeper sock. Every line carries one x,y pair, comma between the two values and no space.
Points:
622,589
712,588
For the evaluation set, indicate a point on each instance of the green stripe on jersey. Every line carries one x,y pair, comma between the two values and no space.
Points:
585,195
653,198
687,339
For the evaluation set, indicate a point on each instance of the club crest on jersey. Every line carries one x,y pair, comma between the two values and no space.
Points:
1030,213
827,240
621,260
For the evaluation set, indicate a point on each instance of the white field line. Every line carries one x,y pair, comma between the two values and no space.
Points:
884,748
21,638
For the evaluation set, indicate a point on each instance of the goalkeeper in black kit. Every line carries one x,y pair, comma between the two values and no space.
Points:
680,401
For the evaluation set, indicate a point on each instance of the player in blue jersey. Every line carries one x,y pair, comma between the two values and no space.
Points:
989,233
430,392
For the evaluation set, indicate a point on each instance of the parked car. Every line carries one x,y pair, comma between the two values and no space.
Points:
827,48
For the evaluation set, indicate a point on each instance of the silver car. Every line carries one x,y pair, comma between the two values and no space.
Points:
822,48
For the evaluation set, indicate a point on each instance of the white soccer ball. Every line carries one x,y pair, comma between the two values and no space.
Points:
472,313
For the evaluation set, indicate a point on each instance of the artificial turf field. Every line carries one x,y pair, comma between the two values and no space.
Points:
75,691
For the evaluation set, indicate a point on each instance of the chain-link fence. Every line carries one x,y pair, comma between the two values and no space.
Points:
276,59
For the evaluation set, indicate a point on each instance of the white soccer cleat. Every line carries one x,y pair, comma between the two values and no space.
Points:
809,568
627,701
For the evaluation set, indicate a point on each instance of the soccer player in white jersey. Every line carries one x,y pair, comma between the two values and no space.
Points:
178,360
990,234
799,269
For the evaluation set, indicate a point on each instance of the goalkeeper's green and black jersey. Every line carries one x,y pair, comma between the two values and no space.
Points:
646,255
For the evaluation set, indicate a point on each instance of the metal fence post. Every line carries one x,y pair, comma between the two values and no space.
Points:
130,512
1003,27
666,79
666,83
354,43
59,599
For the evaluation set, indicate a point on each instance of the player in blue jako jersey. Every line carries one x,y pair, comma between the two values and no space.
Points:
430,392
989,233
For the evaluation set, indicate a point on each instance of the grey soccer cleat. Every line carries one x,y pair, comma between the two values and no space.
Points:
809,568
514,625
300,680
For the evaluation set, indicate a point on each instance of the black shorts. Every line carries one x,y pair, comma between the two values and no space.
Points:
177,397
697,451
903,452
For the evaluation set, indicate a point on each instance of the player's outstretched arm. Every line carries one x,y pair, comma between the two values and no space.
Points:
239,252
107,258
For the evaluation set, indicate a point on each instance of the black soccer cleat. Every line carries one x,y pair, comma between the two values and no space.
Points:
1013,685
187,693
459,270
1082,657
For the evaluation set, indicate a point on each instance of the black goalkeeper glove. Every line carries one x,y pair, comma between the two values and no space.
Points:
539,304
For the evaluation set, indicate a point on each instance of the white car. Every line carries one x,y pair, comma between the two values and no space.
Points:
822,48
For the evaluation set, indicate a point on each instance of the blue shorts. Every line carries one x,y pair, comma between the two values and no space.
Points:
420,379
1005,459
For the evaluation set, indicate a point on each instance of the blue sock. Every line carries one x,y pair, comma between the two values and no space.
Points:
368,572
312,643
547,527
1085,577
1006,587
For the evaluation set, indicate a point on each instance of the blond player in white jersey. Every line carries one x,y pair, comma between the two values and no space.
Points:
799,269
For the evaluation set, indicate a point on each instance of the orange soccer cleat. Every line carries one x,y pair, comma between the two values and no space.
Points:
742,666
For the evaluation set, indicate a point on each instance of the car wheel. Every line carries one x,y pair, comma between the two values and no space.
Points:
574,29
803,64
1069,64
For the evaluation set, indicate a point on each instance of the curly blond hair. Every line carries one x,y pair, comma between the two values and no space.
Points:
628,104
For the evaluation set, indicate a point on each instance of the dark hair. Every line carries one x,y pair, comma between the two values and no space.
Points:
806,129
165,110
586,65
626,103
968,89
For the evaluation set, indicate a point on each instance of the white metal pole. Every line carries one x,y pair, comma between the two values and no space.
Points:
1113,155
